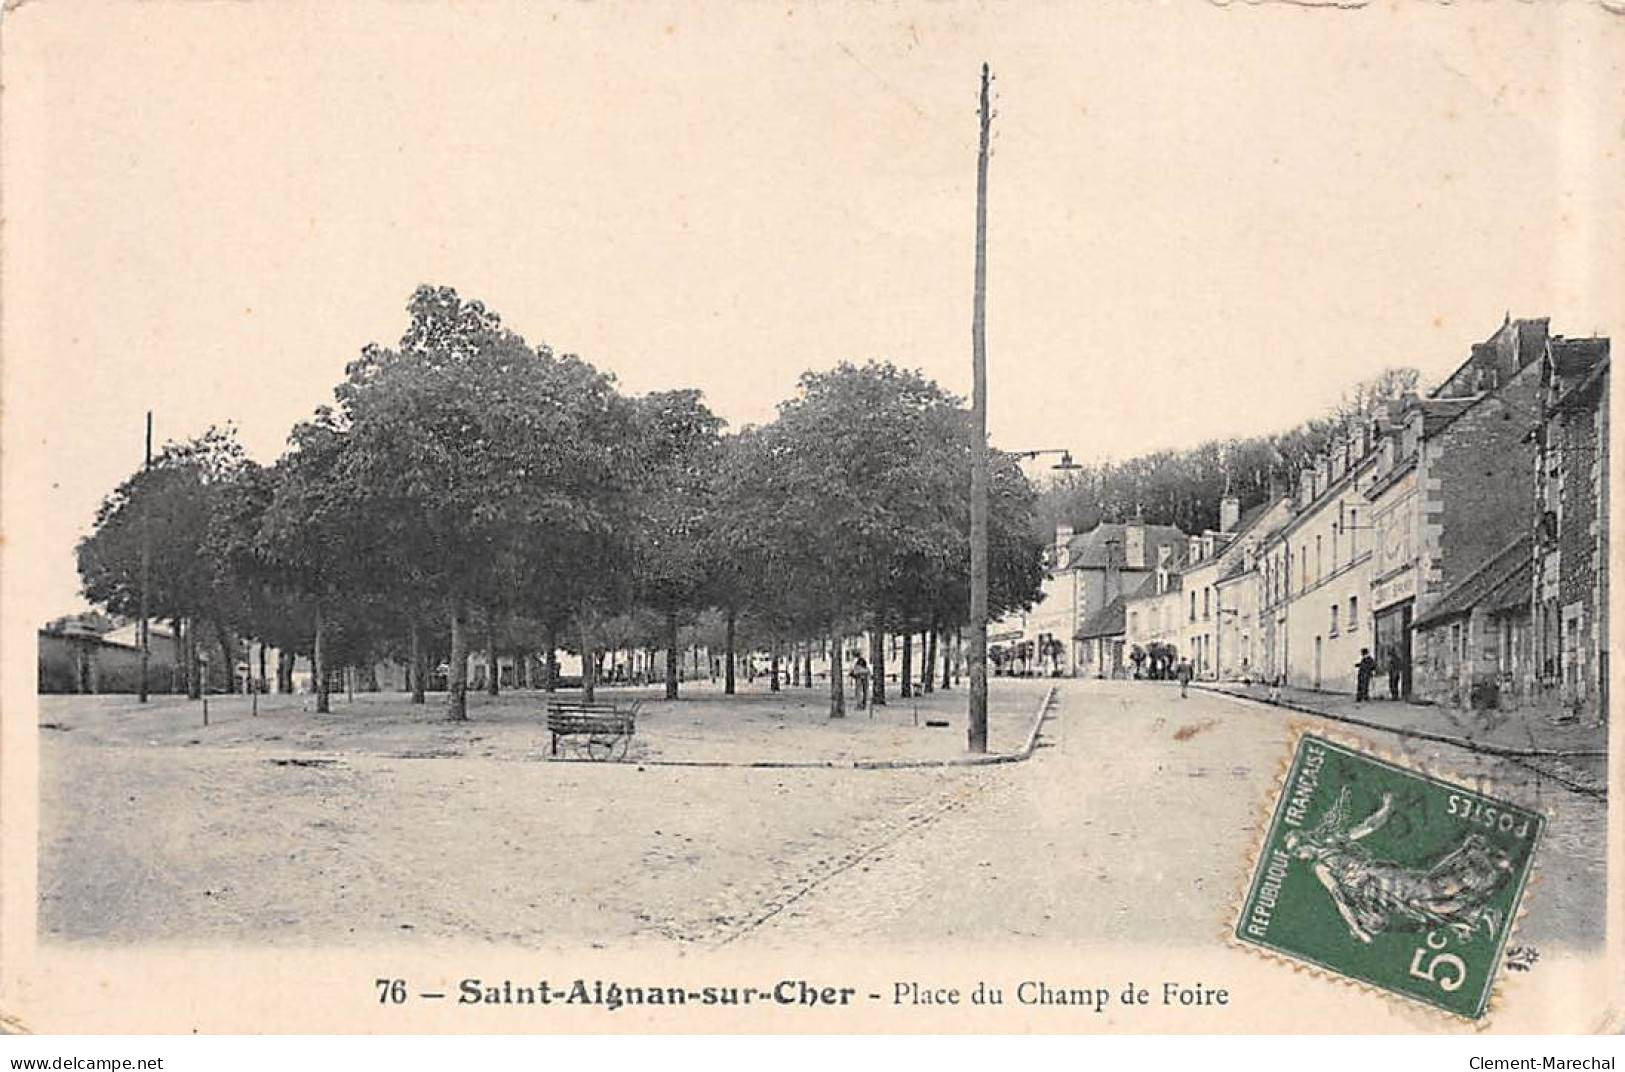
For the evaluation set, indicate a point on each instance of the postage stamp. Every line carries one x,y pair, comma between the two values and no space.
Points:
1390,877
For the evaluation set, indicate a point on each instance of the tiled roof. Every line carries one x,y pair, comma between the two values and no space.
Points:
1087,550
1500,583
1107,621
1250,516
1148,587
1508,349
1570,356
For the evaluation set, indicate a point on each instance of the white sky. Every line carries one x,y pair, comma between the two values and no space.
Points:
1205,220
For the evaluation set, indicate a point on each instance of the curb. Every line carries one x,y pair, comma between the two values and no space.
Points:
1021,756
1437,738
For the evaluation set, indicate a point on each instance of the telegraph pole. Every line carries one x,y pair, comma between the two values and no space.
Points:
146,563
977,731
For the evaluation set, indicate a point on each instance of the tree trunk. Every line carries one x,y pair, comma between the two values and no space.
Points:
194,684
493,672
260,682
671,655
806,676
420,663
928,661
947,660
552,668
959,655
906,678
284,672
773,668
589,666
177,671
228,656
728,664
318,662
837,692
457,667
877,658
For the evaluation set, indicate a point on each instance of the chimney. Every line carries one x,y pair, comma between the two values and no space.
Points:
1063,546
1306,486
1229,513
1114,576
1134,543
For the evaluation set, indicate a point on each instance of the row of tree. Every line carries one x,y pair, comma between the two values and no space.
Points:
1185,487
468,487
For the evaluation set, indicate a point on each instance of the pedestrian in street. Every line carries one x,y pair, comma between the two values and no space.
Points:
1363,670
1275,689
860,680
1396,670
1184,673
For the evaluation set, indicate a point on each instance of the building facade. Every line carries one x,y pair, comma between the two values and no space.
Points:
1086,573
1239,642
1570,555
1313,606
1448,495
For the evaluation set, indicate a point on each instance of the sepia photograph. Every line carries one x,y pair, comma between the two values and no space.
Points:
775,518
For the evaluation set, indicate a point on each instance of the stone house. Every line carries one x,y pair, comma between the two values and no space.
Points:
1448,493
1569,660
1315,590
1238,640
1153,613
1474,640
1086,572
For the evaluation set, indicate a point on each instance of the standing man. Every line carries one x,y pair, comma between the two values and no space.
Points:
1184,674
1396,670
860,681
1363,670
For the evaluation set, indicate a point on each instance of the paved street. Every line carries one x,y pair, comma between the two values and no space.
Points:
1135,823
1134,819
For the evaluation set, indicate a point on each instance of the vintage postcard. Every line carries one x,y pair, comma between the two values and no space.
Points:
713,517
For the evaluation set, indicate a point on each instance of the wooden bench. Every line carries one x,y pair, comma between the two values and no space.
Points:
606,728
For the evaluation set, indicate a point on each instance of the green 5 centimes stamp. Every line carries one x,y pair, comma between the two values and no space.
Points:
1390,877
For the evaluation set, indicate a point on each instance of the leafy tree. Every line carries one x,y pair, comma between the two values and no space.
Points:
854,504
177,500
312,542
505,460
1185,487
679,451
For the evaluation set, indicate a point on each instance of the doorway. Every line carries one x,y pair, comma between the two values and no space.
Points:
1393,639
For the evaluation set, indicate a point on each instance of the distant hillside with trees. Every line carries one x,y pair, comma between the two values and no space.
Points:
1183,487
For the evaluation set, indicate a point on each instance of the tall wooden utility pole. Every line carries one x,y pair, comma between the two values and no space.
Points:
977,731
146,564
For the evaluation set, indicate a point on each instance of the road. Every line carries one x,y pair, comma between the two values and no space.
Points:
1133,821
1135,817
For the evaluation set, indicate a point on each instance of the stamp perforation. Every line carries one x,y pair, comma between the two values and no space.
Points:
1271,812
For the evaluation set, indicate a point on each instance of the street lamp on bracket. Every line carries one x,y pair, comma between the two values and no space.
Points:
1065,465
